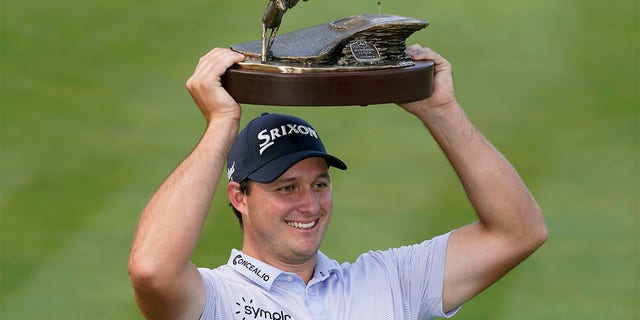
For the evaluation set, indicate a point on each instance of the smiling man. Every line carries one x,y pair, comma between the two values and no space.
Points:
280,190
285,202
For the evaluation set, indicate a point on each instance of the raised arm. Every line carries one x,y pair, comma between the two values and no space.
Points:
167,285
510,225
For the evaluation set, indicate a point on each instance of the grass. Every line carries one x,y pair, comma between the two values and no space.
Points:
94,115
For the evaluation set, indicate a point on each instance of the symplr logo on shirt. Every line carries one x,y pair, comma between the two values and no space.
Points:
248,311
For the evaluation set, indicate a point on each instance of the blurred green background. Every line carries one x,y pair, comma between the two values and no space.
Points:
94,115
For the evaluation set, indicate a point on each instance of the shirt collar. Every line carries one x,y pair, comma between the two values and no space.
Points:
254,269
264,274
324,268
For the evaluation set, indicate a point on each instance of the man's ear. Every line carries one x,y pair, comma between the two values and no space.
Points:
236,196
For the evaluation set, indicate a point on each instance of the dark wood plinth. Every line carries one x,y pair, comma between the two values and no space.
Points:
336,88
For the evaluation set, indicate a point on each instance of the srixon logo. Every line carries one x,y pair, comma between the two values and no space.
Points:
249,311
268,137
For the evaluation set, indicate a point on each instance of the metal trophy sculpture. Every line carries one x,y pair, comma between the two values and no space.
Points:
271,19
358,60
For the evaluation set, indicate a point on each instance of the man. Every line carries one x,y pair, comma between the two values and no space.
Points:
285,205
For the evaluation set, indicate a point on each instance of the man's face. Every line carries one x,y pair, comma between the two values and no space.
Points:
286,219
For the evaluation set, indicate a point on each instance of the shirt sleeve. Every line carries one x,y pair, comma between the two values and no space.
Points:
209,307
420,270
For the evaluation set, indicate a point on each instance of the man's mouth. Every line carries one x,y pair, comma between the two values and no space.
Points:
300,225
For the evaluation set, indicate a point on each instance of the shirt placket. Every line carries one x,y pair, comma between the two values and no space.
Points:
309,294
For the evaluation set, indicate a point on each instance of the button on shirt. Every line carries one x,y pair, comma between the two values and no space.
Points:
399,283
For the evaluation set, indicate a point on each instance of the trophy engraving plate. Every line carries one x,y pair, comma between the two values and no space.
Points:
364,51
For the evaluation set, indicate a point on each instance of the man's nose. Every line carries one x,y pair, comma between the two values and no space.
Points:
309,202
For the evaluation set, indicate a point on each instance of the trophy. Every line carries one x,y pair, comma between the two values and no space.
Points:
357,60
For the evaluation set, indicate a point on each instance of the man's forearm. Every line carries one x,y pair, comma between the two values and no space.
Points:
171,223
498,195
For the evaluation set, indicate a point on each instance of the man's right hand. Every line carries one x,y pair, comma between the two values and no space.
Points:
206,88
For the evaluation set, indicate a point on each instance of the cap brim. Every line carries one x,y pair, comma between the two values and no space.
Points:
278,166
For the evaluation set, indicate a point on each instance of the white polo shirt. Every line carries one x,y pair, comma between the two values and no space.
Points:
400,283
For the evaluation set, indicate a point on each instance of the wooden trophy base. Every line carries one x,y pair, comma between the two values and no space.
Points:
332,88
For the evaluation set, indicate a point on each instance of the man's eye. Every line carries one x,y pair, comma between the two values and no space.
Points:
322,185
286,188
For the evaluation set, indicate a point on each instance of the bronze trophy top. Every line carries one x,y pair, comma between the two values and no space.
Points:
359,42
357,60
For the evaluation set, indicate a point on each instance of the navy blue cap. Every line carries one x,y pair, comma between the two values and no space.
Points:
271,144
